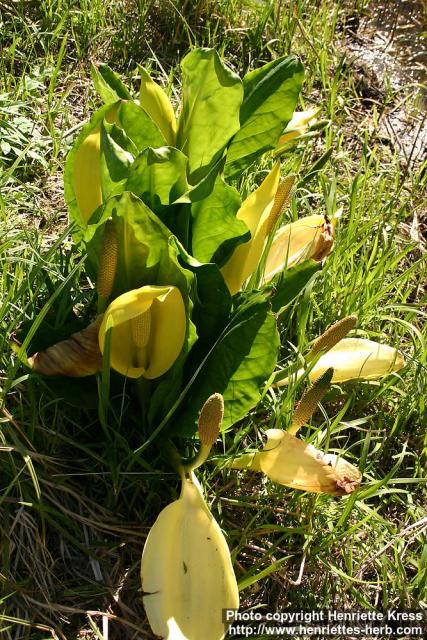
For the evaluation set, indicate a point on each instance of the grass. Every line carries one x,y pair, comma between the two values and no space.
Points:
75,502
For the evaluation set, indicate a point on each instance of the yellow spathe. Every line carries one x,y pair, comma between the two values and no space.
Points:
157,105
298,125
288,460
87,175
87,170
298,241
255,212
354,358
186,571
148,327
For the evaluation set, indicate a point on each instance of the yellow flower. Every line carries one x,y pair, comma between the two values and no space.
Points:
148,327
292,462
309,237
157,105
186,570
256,212
298,125
86,175
354,358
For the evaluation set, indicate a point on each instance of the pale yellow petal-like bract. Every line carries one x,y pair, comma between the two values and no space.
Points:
354,358
295,242
298,125
157,105
292,462
86,173
186,571
255,212
166,326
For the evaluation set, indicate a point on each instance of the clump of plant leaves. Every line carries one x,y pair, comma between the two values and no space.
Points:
190,278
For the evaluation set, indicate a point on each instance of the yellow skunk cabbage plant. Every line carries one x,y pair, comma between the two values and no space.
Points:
186,570
192,264
287,460
147,331
310,237
348,358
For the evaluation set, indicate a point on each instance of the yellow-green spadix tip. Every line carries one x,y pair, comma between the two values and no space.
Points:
210,419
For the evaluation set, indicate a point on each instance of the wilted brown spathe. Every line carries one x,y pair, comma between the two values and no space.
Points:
77,356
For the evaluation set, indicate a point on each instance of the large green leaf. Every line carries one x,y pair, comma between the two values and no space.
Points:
212,299
271,95
115,160
108,84
215,230
145,255
118,135
203,188
237,366
291,282
139,127
211,99
159,177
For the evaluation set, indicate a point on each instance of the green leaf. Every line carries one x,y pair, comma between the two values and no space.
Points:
114,161
203,188
215,230
237,366
145,255
159,177
108,84
271,95
119,136
212,299
315,168
212,95
291,282
139,127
